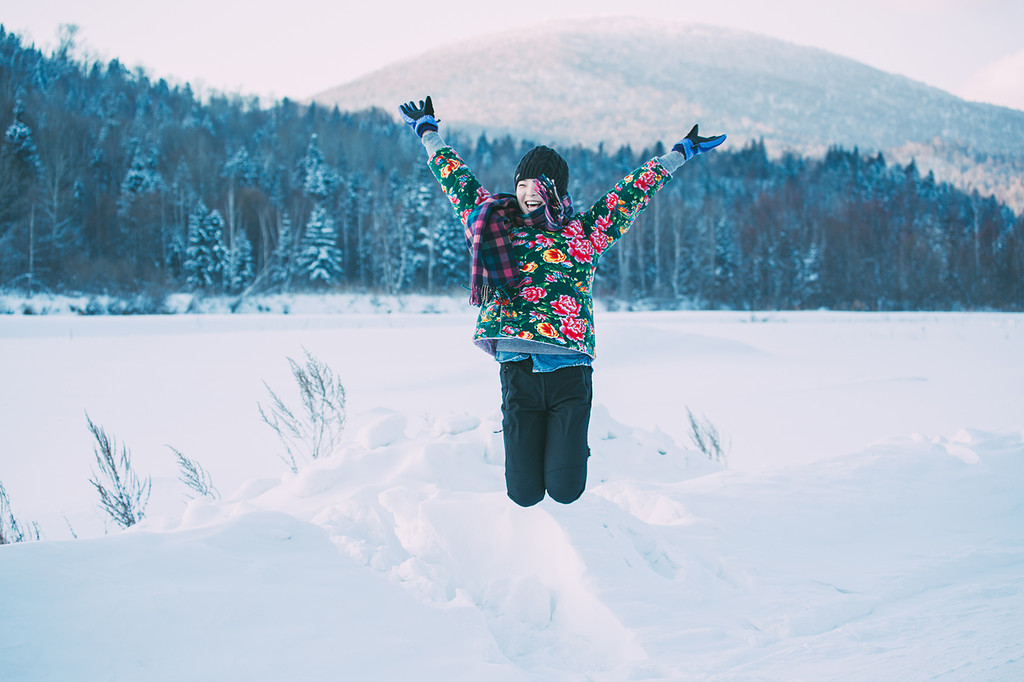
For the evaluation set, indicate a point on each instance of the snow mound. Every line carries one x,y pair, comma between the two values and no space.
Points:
430,514
400,556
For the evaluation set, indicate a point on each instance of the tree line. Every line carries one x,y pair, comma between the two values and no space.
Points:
113,182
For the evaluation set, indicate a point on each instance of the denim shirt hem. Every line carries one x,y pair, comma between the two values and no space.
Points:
546,362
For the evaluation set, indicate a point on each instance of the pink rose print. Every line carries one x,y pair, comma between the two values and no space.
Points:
611,201
582,250
574,229
482,195
533,294
573,328
566,306
545,242
600,241
646,180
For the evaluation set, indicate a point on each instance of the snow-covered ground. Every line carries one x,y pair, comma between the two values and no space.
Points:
868,524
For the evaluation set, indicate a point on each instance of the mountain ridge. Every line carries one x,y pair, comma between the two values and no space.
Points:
627,81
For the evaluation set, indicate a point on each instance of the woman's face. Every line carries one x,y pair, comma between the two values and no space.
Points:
529,199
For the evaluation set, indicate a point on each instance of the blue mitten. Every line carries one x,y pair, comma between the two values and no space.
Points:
420,118
693,144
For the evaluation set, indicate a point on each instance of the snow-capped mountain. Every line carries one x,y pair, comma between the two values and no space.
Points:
633,81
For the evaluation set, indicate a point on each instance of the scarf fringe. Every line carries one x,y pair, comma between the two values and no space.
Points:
480,296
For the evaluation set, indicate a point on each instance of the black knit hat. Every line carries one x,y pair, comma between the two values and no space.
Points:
544,161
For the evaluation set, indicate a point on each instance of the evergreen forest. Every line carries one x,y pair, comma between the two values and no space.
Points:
113,182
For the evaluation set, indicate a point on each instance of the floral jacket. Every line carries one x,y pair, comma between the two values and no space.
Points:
552,302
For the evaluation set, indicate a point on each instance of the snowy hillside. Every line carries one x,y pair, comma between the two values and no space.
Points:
620,80
866,526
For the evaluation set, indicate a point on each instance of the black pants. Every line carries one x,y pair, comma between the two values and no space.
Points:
545,416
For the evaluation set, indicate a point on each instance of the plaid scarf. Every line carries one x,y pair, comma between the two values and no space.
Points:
492,263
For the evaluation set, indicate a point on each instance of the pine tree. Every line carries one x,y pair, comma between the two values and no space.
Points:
205,256
141,179
19,137
319,181
239,265
21,172
240,174
320,257
139,205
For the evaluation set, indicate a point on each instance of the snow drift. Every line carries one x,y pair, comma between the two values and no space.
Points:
400,557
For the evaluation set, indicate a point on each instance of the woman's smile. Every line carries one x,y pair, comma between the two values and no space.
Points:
529,199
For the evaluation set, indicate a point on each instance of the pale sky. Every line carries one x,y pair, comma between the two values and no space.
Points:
297,48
